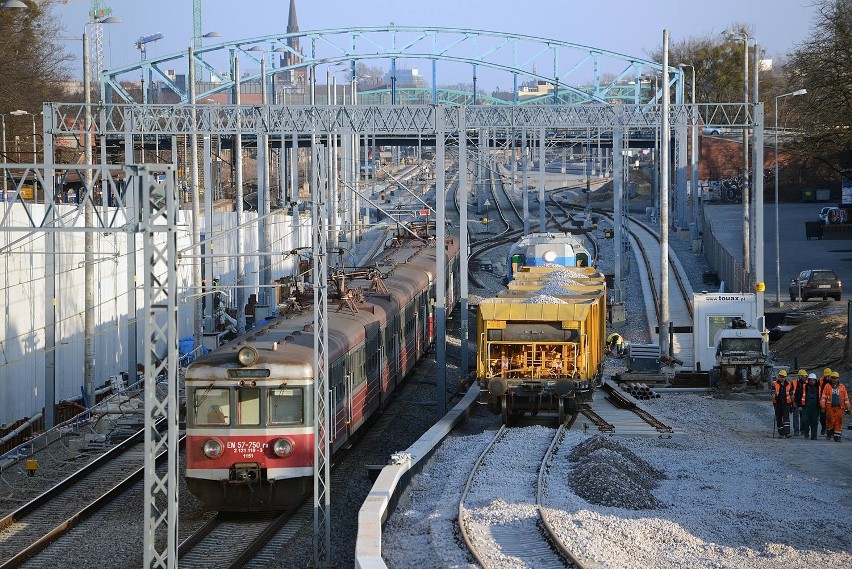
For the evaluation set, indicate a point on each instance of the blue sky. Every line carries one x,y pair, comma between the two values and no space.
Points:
622,26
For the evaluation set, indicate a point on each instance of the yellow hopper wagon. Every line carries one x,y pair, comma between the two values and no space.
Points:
540,342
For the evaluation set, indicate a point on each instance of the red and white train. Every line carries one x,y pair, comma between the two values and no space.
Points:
250,424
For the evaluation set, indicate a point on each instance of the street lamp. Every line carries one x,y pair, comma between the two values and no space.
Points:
13,4
693,158
777,230
88,217
742,35
20,113
5,156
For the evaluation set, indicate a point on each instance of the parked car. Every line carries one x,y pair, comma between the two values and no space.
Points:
816,283
833,215
713,130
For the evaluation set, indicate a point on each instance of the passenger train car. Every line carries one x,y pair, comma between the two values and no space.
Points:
250,424
540,342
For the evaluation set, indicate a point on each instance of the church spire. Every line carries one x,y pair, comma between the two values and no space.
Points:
292,22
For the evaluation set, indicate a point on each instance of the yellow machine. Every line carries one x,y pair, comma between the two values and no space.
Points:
540,342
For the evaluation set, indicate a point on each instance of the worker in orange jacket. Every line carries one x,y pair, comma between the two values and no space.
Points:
823,381
835,401
782,400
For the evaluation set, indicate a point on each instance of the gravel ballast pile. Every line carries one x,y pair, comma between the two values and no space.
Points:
607,473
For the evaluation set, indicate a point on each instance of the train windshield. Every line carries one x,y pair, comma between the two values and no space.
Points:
286,406
212,406
248,406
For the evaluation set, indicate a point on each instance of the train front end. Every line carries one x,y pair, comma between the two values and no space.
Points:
250,439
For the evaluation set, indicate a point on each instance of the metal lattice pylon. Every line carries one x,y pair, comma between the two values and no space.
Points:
159,222
322,459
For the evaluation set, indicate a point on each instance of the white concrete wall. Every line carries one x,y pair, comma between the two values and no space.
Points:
22,303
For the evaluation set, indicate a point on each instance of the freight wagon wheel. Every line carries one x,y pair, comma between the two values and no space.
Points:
504,404
562,412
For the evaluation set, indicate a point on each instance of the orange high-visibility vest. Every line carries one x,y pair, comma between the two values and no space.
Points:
788,389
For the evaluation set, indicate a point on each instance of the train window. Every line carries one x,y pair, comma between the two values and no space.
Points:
286,406
212,407
248,406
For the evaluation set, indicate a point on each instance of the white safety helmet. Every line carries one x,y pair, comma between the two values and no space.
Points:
812,376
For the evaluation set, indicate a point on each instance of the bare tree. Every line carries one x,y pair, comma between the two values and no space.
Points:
823,65
370,76
33,64
718,64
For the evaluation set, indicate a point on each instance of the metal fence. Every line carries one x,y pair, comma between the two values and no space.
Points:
729,268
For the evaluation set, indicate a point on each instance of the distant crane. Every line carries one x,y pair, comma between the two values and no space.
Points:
142,45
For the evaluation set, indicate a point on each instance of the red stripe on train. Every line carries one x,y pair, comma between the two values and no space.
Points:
256,448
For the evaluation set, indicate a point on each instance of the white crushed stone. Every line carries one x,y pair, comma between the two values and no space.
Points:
544,299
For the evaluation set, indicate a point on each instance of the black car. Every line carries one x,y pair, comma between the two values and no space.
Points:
816,283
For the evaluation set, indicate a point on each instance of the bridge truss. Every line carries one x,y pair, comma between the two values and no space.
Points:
573,73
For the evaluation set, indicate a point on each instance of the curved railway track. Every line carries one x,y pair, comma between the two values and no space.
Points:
506,208
527,540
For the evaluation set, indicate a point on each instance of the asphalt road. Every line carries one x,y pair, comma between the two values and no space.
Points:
797,253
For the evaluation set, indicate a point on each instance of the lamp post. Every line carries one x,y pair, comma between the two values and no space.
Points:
777,221
88,215
5,156
693,157
741,35
20,113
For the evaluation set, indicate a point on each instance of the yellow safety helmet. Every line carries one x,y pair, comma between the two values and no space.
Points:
782,373
826,372
803,373
835,374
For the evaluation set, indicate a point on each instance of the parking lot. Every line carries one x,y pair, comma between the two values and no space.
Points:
797,252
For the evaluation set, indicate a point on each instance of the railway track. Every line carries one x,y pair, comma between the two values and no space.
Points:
507,212
68,447
231,541
526,540
27,531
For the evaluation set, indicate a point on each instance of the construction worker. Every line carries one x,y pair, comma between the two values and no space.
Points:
810,407
798,385
822,382
614,344
782,400
216,299
834,400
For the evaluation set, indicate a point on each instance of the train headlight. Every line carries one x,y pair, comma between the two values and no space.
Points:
212,448
549,256
247,356
282,448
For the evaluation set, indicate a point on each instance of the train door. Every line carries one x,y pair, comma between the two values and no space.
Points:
349,386
337,385
418,341
397,355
